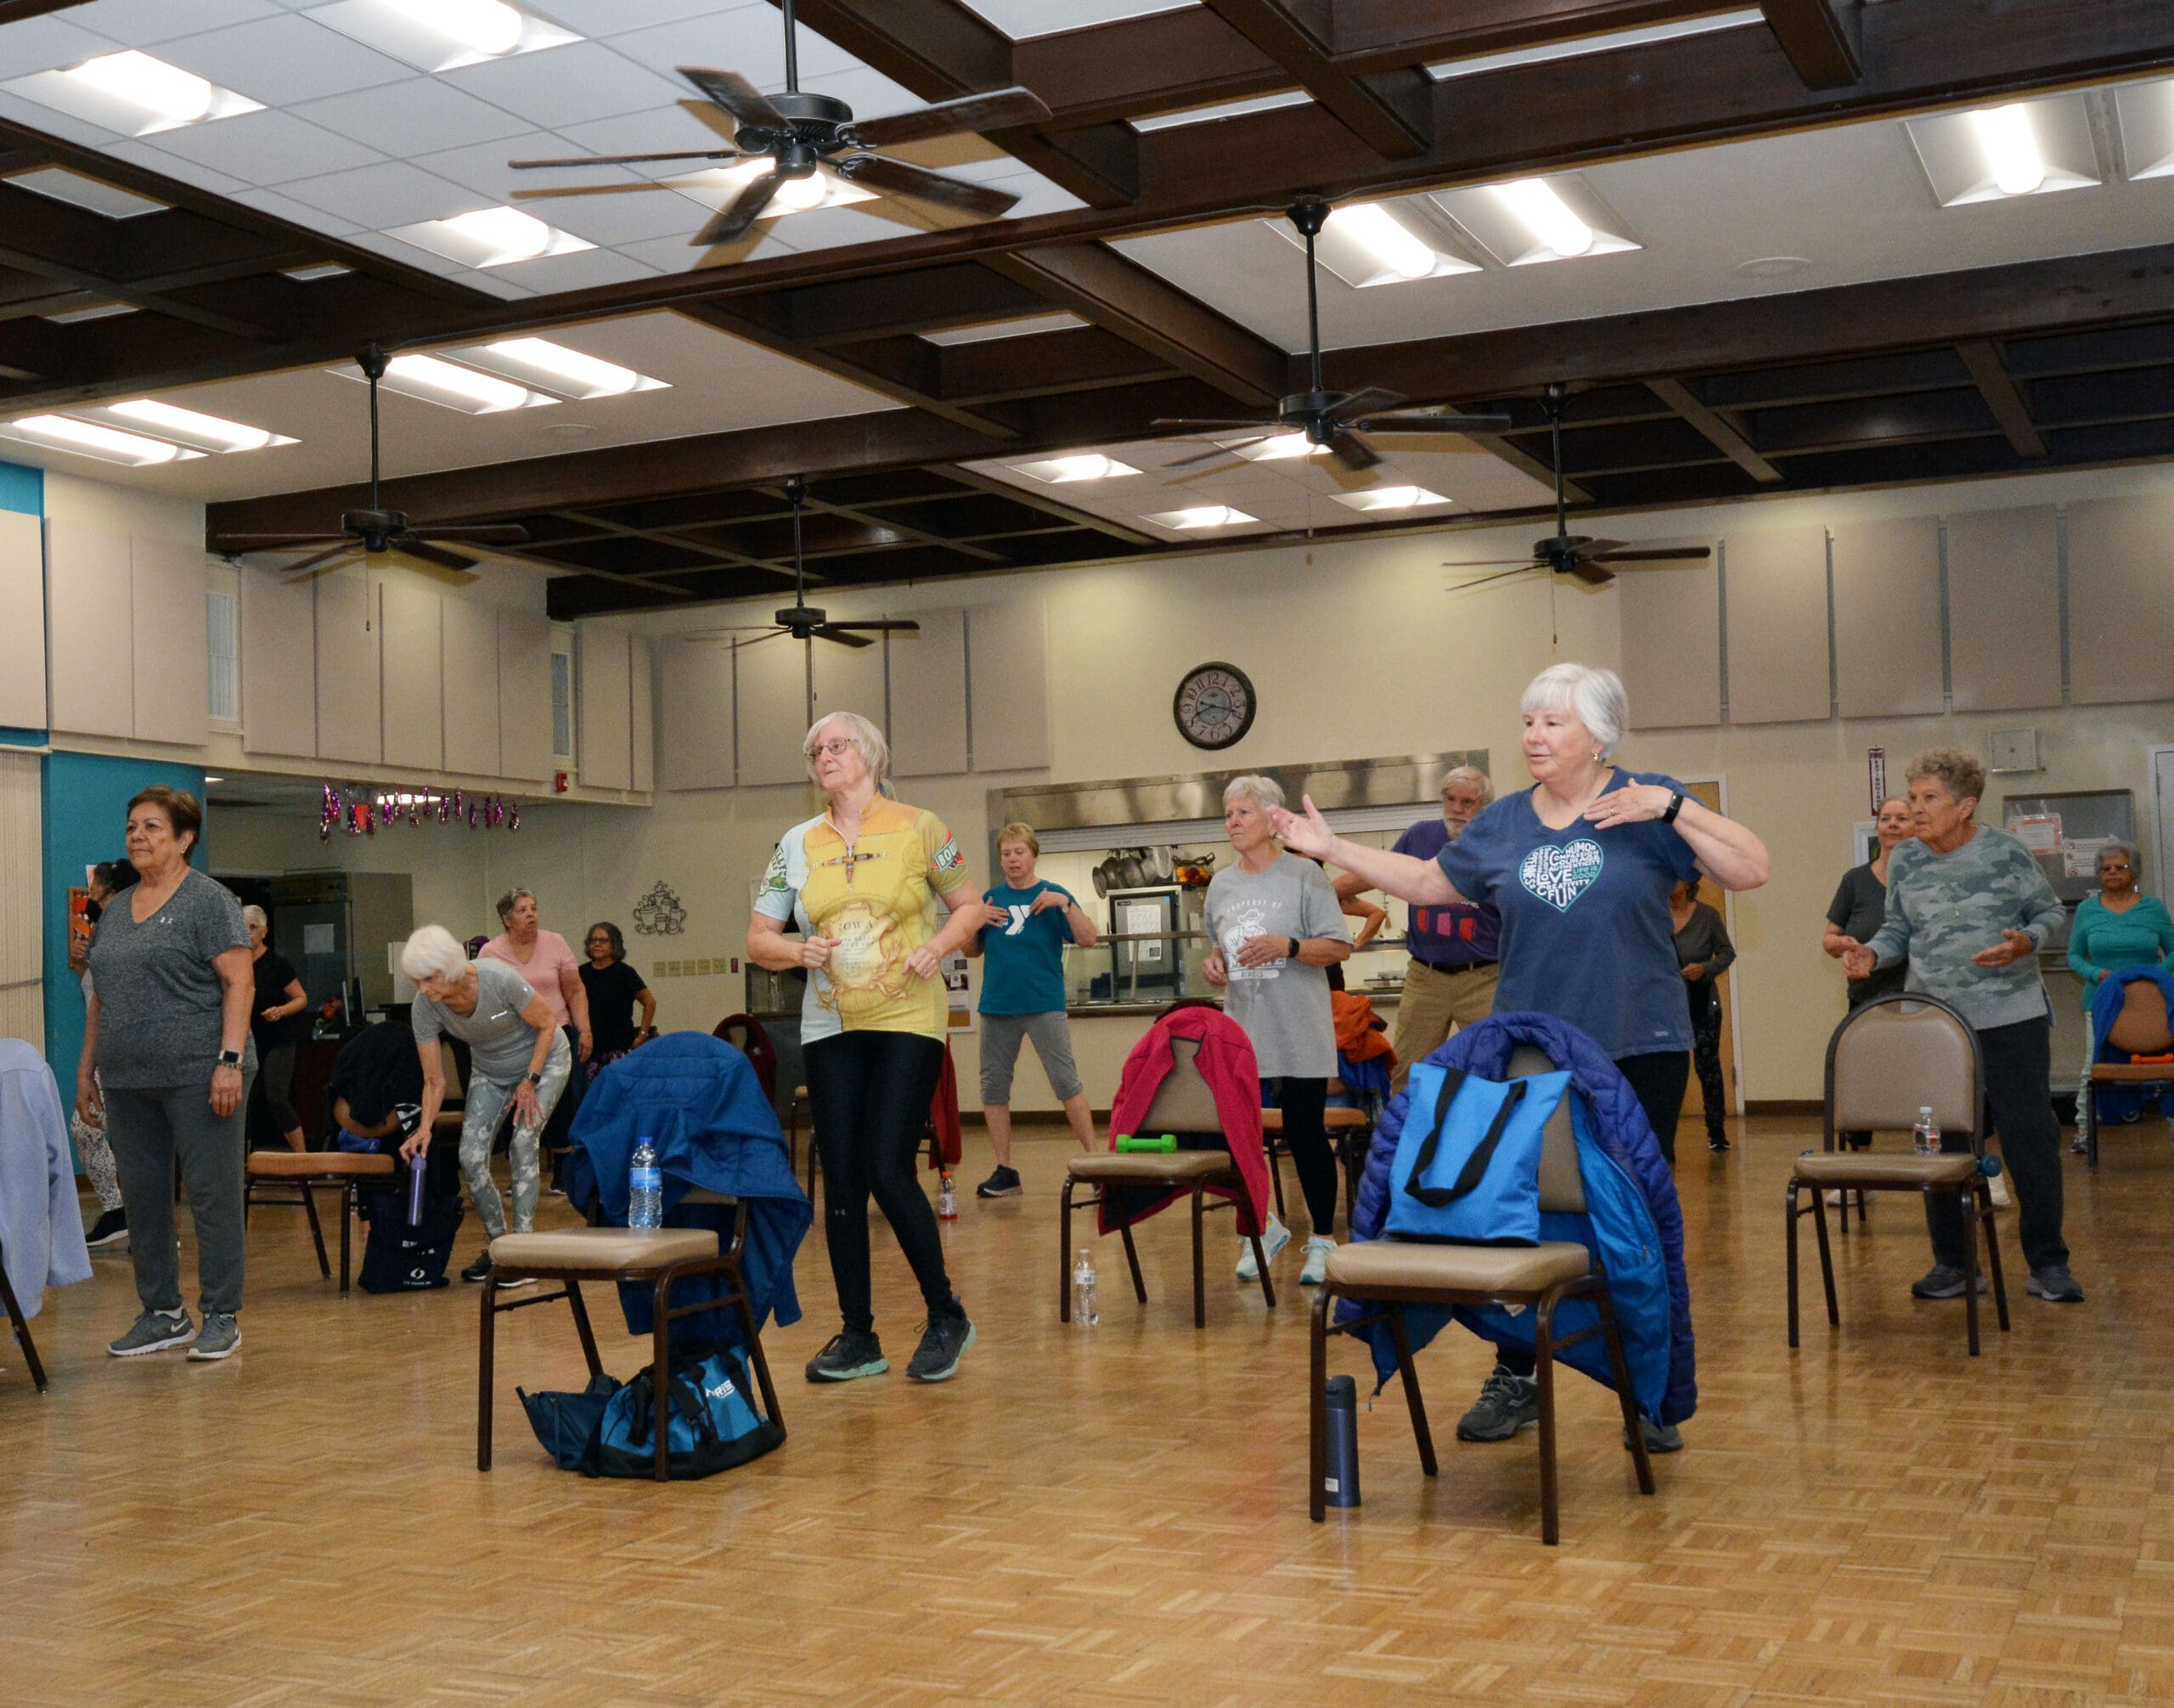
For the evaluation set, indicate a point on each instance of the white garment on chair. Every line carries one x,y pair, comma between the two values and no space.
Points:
41,1221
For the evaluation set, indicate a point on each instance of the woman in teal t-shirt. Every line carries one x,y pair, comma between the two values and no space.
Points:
1023,994
2118,927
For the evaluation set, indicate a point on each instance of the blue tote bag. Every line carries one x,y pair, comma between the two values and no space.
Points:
1466,1170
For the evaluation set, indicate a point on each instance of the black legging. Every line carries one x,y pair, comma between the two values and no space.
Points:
868,1094
1305,1136
1658,1081
2017,1072
276,1074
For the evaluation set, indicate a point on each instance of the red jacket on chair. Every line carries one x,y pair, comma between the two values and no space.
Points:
1226,1062
946,1143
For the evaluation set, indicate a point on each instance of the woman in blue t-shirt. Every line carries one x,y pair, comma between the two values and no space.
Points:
1580,866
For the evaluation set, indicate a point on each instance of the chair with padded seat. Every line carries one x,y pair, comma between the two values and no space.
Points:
1889,1059
305,1171
1395,1274
2141,1029
652,1257
1183,1104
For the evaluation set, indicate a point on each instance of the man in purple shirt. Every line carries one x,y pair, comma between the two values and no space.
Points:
1454,951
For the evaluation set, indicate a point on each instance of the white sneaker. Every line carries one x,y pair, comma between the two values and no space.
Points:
1316,1265
1997,1184
1271,1242
1833,1195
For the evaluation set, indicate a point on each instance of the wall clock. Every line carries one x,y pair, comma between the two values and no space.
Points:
1215,706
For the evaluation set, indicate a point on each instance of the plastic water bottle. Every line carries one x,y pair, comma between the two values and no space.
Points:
644,1188
947,1200
1926,1133
1082,1290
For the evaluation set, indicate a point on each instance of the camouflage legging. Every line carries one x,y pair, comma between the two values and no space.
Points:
488,1101
97,1157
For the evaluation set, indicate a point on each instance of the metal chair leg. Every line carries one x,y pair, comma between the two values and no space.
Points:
1200,1262
1408,1373
1826,1254
1317,1410
347,1200
1633,1431
316,1231
487,1349
1544,1369
1992,1251
1064,1253
22,1328
580,1308
661,1374
1790,1245
1275,1175
1969,1269
1132,1258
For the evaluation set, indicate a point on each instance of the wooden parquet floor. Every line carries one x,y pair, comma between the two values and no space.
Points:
1118,1516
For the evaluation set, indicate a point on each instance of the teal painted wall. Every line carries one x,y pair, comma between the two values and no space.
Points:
86,811
22,489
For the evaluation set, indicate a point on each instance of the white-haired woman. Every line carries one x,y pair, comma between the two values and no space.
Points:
546,960
1275,926
517,1055
273,1023
880,895
1580,868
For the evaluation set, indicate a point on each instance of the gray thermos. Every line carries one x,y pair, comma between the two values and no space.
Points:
418,1173
1340,1467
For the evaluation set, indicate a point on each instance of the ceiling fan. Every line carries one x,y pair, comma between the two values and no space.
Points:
799,619
376,530
1593,562
1331,419
800,133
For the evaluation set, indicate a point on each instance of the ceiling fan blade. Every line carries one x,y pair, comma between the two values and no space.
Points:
737,96
1359,403
1435,424
1590,572
740,212
317,562
1353,452
829,631
900,178
889,625
1481,581
1494,563
625,160
480,533
1220,425
1657,554
997,110
230,542
413,545
1213,451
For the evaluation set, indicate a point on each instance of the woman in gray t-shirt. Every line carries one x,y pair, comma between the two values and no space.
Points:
516,1054
1275,925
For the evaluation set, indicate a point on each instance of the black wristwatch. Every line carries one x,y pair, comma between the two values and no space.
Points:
1294,949
230,1058
1675,806
535,1078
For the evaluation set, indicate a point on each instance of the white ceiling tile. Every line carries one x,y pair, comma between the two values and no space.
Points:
1036,194
567,85
653,131
748,39
379,197
676,255
418,117
1021,19
41,44
269,147
577,272
482,166
837,227
281,205
142,23
153,158
598,19
870,94
65,125
411,255
282,60
618,217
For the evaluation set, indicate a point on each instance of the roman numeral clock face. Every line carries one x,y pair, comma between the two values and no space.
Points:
1215,706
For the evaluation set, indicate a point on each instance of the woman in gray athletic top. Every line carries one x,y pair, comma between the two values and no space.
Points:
518,1055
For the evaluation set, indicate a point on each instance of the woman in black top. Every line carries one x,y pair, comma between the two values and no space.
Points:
1860,904
614,988
273,1023
1704,953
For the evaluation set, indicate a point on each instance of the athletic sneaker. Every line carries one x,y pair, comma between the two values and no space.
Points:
1507,1403
852,1352
1004,1183
1273,1241
1941,1281
1717,1142
218,1336
1316,1265
153,1332
943,1343
110,1229
1660,1438
480,1271
2054,1285
1998,1187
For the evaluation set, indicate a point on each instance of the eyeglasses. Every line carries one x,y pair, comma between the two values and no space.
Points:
834,749
2110,866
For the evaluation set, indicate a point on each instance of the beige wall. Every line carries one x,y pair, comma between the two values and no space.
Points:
1357,650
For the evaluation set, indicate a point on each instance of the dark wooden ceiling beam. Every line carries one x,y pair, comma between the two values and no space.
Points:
1392,112
1165,61
1077,359
1372,34
1821,38
1714,428
2001,397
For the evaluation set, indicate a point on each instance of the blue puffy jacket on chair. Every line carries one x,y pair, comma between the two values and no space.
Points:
697,1100
1632,1220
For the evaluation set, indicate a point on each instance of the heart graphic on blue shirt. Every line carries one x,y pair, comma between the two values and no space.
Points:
1559,876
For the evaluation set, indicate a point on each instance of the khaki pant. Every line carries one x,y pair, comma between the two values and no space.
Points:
1435,1004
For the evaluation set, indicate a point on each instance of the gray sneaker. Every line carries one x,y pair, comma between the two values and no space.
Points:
153,1332
218,1336
1943,1281
943,1343
1507,1403
1660,1438
2054,1285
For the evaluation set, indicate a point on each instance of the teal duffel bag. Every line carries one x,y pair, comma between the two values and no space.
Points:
712,1424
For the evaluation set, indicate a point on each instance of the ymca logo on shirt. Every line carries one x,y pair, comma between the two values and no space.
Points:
1559,876
1020,916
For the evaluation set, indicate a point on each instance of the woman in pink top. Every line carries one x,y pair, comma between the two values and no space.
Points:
547,962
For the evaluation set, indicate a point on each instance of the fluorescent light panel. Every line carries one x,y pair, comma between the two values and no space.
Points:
1391,499
993,331
198,432
1525,222
442,35
1366,244
1087,466
100,311
89,439
491,237
134,94
555,368
1277,448
79,189
2146,115
312,274
1743,18
2021,149
1223,109
717,186
1199,516
432,379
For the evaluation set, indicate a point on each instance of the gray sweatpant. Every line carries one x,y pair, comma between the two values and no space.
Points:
150,1130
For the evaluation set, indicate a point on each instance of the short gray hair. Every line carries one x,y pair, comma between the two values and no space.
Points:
2112,845
433,951
1594,695
512,897
1469,774
864,735
254,915
1264,792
